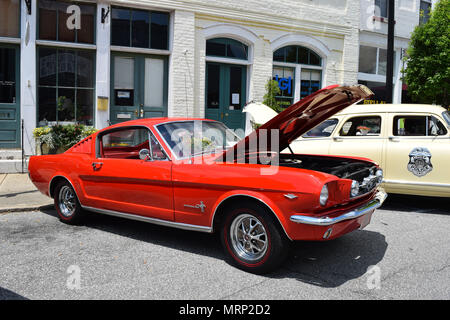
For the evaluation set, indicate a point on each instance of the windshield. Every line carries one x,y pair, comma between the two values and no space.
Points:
325,129
195,137
446,115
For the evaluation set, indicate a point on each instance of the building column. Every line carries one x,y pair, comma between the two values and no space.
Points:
103,65
181,65
28,78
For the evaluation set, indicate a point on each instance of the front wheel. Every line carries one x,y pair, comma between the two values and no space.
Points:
253,239
66,204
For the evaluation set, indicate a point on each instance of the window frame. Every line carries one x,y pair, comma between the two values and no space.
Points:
349,118
19,25
74,43
396,117
149,12
56,86
99,142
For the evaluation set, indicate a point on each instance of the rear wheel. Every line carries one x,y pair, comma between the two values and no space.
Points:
66,204
253,239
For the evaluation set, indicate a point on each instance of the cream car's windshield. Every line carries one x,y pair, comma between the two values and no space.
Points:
190,138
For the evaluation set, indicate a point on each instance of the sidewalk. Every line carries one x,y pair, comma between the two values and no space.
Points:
18,193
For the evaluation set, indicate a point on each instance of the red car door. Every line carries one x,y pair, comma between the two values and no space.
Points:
119,180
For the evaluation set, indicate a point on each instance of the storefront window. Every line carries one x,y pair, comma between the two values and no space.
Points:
285,78
65,85
57,23
9,18
309,82
140,28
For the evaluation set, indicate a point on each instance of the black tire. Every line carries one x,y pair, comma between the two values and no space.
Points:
66,204
252,238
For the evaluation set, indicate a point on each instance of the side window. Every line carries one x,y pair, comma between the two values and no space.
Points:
325,129
418,126
361,126
124,144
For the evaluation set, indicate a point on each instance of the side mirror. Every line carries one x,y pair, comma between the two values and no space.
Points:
144,154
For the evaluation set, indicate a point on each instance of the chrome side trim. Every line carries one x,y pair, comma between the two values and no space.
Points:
246,195
423,184
365,209
160,222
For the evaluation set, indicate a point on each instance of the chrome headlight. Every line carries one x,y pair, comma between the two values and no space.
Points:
323,195
354,191
379,175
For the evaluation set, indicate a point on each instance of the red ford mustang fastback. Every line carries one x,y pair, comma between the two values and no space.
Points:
196,174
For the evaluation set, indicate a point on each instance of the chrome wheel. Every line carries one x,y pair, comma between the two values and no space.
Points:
248,237
67,201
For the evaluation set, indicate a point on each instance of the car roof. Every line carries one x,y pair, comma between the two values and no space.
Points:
386,108
151,122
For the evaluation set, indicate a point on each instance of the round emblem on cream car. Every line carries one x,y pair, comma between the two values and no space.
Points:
420,161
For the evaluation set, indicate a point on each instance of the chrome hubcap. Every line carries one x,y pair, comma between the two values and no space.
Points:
67,202
248,237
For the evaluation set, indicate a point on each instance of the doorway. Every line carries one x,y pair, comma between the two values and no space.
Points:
226,93
138,87
9,97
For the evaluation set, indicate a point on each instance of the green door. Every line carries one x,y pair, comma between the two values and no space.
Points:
9,97
226,93
138,87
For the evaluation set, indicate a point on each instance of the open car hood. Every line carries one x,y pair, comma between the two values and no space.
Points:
299,118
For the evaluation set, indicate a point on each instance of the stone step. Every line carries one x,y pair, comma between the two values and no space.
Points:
10,154
13,166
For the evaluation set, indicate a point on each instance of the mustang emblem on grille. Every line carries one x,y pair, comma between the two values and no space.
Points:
420,161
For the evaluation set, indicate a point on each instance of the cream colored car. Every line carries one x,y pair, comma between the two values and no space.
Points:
410,142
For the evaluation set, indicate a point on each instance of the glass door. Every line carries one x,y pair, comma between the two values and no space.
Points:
9,97
138,87
226,93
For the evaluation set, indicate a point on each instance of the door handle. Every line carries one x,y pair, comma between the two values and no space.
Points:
226,114
136,112
142,112
221,115
97,165
338,139
394,139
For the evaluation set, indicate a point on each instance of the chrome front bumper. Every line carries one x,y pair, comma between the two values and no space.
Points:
326,221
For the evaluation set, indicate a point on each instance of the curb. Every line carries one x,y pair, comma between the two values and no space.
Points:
25,209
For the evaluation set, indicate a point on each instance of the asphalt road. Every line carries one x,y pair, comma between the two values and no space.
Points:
403,254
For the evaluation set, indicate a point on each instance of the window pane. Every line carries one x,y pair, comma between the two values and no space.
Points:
7,75
123,81
237,50
64,33
47,67
236,87
120,27
291,54
85,106
85,69
66,68
213,85
424,14
154,82
86,33
367,59
140,29
47,105
47,20
279,55
382,61
9,18
361,126
381,7
410,126
159,30
325,129
214,48
66,104
314,59
303,55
